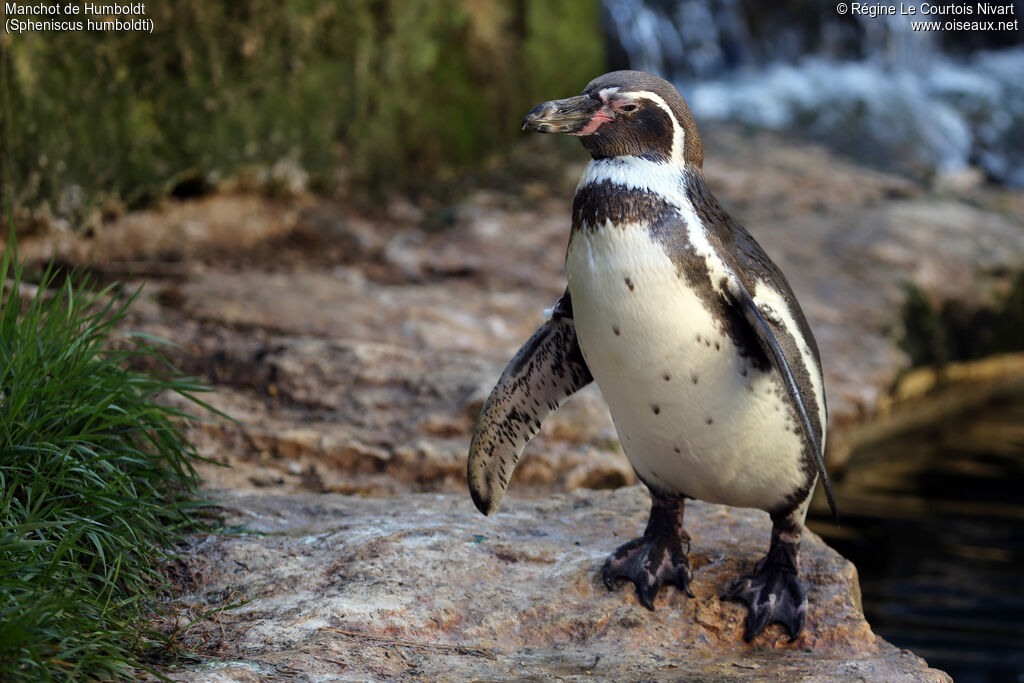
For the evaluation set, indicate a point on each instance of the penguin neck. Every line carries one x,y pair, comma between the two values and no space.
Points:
666,179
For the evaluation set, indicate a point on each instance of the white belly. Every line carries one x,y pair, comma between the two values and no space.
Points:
692,416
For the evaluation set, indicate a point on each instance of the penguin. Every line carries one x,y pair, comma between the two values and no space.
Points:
694,337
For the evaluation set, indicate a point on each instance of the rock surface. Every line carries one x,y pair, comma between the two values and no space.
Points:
422,587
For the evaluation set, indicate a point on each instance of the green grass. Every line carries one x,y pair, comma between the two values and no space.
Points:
96,481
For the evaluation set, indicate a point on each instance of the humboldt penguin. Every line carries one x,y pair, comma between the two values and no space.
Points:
694,337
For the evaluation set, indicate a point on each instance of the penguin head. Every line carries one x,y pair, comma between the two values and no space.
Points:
625,113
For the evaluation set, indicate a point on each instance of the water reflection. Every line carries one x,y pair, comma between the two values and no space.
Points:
934,522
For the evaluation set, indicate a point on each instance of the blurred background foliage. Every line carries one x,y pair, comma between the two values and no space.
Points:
356,93
357,98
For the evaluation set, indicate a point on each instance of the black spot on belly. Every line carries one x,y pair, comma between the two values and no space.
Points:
615,329
717,347
656,409
676,449
629,283
709,420
694,378
666,377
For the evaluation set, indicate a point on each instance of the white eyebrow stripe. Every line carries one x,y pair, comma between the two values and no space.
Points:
678,135
608,91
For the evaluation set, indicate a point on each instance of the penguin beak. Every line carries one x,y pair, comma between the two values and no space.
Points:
580,115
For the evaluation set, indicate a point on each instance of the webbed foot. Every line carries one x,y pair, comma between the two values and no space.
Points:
655,558
773,592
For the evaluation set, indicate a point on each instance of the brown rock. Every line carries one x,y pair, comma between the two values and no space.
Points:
377,418
423,587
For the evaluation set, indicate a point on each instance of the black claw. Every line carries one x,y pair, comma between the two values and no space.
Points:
646,594
772,594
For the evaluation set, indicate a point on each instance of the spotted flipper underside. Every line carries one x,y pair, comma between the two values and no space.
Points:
547,370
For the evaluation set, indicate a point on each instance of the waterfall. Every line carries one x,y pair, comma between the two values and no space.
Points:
866,81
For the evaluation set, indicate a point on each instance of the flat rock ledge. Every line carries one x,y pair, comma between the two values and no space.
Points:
423,587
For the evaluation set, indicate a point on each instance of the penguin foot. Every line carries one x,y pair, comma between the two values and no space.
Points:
772,594
648,562
655,558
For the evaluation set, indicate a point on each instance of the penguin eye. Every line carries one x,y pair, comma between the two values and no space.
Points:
625,106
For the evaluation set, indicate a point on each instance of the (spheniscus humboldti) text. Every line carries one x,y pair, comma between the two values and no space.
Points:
87,16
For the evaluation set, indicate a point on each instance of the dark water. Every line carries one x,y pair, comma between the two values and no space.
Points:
934,522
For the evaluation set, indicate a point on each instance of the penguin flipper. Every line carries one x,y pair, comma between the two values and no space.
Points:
770,345
547,370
